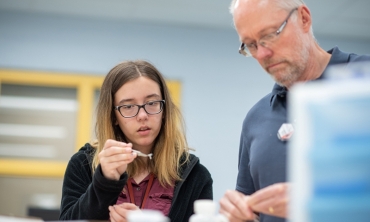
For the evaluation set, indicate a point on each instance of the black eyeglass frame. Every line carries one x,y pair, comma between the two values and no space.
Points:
162,103
277,32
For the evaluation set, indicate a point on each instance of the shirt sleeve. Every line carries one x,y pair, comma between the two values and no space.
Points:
207,191
87,197
244,181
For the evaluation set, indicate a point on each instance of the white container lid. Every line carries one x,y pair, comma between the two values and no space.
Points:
207,207
146,215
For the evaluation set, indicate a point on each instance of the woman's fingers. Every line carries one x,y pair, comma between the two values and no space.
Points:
113,147
116,154
119,212
112,143
114,158
115,216
128,206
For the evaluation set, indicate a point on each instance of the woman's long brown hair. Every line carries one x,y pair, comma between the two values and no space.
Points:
170,144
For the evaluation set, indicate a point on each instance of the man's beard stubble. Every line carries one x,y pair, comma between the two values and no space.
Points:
294,70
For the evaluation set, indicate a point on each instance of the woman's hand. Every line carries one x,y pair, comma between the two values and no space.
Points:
114,158
118,213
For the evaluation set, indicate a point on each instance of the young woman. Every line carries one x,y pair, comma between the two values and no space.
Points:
107,179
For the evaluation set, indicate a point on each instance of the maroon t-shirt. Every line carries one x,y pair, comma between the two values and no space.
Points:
160,198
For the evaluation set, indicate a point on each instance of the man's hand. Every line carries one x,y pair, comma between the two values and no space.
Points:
272,200
234,205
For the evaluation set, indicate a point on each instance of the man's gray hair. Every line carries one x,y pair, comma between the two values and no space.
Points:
283,4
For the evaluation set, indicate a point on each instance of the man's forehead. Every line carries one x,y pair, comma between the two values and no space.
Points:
251,3
253,21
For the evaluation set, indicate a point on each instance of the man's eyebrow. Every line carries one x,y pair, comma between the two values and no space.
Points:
261,33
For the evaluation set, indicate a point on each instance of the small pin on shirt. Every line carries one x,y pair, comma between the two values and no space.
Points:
285,132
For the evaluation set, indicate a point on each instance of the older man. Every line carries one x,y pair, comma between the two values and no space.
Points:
278,34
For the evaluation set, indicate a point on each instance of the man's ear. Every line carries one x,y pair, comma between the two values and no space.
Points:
304,18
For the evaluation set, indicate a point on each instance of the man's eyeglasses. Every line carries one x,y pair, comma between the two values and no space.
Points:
265,41
151,108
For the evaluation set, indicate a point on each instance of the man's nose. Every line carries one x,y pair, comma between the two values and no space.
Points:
262,52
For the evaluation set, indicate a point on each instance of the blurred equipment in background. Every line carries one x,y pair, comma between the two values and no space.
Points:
330,151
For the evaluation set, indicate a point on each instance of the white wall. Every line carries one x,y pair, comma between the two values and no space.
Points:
219,85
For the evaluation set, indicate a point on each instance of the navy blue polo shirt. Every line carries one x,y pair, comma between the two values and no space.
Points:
262,156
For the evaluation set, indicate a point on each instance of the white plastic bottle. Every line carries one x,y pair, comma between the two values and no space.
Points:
205,211
146,215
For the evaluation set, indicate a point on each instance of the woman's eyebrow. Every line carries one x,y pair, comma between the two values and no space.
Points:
125,100
154,95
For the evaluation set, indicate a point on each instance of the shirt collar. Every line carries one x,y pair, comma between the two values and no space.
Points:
144,180
337,57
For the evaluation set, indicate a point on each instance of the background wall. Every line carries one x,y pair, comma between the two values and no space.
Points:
218,85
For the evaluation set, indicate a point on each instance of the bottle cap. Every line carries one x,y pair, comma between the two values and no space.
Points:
146,215
205,207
